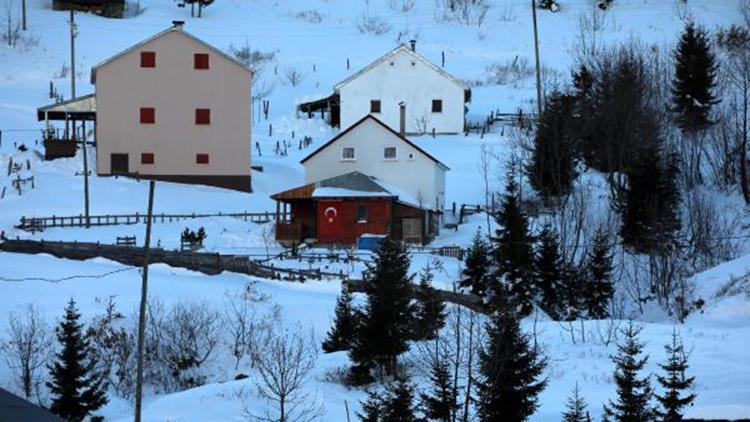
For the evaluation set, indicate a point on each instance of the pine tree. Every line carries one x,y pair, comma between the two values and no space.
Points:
477,266
441,404
429,310
599,288
399,406
694,79
340,335
575,410
372,408
513,255
675,382
650,202
509,371
553,159
382,333
76,387
550,274
634,394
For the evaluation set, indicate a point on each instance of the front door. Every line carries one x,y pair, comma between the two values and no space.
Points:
119,163
330,221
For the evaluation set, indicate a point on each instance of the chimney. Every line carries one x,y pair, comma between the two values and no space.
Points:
178,24
402,118
413,45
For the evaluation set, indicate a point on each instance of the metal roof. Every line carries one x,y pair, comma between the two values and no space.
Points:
176,28
81,108
14,409
398,50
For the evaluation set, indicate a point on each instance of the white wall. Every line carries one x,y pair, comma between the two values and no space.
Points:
418,176
404,78
175,89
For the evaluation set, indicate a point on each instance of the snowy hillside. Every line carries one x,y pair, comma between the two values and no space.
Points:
323,42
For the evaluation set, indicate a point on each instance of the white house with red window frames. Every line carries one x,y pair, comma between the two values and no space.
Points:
174,108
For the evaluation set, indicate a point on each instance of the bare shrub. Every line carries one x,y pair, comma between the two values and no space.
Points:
369,23
257,61
11,27
404,6
188,336
27,348
466,12
309,16
284,363
293,76
708,231
510,72
245,328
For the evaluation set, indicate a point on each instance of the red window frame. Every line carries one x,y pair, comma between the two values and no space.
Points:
148,59
201,158
202,116
147,158
200,61
148,115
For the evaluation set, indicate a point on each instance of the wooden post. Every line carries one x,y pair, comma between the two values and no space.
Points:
85,179
72,54
536,55
142,311
23,14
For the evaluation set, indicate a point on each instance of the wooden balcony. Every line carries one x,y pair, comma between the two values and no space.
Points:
289,232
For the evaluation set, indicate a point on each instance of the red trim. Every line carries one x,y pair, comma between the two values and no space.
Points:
369,116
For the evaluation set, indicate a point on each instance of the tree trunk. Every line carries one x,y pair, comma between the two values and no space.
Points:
742,153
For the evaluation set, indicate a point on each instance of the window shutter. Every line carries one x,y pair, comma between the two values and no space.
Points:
148,59
201,158
147,158
200,61
148,115
202,116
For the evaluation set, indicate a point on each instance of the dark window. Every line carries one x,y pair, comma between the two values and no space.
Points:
389,153
119,163
148,115
200,61
201,158
202,116
374,106
147,158
148,59
437,106
361,213
348,153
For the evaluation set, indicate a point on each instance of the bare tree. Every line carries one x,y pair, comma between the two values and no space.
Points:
27,348
245,327
293,76
485,162
283,363
189,334
12,29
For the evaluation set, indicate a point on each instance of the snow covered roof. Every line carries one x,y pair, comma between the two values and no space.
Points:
396,51
349,185
175,28
14,408
388,128
77,108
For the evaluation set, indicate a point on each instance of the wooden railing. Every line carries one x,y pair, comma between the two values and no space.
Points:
289,231
35,224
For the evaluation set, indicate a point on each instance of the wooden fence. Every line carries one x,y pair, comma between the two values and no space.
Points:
35,224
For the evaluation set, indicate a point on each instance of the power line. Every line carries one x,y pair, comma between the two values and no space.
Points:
70,277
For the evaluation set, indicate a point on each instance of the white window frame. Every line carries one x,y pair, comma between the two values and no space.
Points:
354,154
395,156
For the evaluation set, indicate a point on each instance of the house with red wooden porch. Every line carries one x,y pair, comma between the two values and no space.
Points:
369,179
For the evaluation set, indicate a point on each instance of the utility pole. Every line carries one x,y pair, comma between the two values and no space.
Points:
72,54
144,298
538,70
85,178
23,14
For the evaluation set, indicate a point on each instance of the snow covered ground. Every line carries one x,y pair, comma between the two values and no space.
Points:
719,336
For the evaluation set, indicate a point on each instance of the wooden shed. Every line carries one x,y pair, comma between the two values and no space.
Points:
338,210
108,8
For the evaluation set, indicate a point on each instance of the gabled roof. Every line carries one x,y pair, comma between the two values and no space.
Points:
77,108
175,28
14,408
388,128
349,185
396,51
